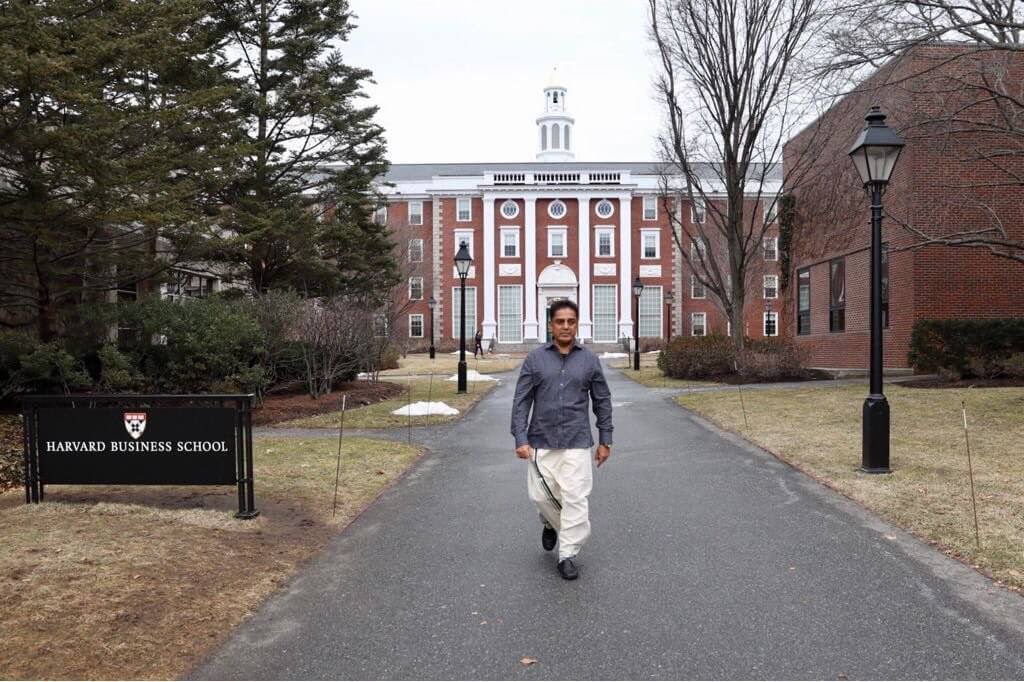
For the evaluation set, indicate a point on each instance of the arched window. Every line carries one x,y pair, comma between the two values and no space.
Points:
566,135
555,139
556,97
543,138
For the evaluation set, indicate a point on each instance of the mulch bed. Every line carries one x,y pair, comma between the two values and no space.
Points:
279,408
734,379
1003,382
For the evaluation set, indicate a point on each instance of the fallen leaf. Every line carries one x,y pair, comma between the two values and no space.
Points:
527,661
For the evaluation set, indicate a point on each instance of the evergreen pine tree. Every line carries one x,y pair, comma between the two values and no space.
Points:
115,137
300,214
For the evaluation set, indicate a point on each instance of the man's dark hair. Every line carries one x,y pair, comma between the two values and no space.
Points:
565,303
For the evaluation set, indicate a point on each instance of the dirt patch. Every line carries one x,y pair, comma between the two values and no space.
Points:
279,408
115,582
11,451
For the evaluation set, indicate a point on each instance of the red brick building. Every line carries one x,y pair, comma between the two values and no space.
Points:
952,177
553,229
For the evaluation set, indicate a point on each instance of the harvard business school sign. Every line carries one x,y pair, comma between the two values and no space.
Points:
139,440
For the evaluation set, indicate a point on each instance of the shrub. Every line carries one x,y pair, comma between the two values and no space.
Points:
967,348
698,357
771,360
49,368
13,345
117,373
209,345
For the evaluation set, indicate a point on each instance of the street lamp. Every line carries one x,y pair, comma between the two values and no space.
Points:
462,263
432,304
669,300
638,288
874,154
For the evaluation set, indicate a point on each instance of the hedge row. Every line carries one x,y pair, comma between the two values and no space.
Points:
968,348
715,356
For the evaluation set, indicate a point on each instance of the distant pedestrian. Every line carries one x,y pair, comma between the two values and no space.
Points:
478,340
558,381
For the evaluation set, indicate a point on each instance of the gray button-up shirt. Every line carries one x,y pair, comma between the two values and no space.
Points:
558,388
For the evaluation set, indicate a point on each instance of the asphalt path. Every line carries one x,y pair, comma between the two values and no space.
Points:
708,559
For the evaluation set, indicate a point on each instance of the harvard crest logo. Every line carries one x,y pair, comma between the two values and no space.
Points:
135,423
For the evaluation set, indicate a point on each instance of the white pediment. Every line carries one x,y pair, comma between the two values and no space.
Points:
557,275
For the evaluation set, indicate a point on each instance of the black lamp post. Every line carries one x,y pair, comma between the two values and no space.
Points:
432,304
874,154
638,288
669,300
462,263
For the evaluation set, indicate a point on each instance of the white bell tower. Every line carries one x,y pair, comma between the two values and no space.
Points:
555,137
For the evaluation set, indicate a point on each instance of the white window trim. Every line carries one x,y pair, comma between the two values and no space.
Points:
422,326
604,202
455,310
655,202
519,288
693,211
513,231
380,215
770,211
459,238
610,229
775,248
704,316
411,280
469,202
661,311
657,244
697,244
764,323
558,217
564,231
593,297
420,260
416,222
764,287
693,285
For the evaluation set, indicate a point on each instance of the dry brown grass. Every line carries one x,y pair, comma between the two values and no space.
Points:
650,376
818,429
378,415
113,582
447,364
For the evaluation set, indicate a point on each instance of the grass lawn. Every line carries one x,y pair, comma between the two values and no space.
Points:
378,416
447,364
652,377
929,489
134,583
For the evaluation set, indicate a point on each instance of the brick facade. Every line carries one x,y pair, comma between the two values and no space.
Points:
942,184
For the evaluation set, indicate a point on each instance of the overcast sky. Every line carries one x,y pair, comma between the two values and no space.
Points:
462,80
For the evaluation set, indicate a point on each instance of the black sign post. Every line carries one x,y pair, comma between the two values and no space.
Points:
140,440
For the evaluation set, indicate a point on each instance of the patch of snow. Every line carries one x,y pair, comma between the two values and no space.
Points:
421,409
472,375
614,355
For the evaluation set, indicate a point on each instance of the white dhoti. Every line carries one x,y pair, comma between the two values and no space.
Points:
570,476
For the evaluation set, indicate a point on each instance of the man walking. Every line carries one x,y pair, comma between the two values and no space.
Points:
558,381
478,343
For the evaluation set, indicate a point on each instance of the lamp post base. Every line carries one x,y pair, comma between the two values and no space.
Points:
431,352
875,438
462,377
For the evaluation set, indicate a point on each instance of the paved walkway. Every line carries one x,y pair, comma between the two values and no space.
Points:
709,559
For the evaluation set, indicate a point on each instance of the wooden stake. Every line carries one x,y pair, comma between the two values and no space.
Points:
408,408
743,406
970,471
337,472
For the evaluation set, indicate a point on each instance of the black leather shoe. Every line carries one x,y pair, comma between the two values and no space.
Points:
548,538
567,569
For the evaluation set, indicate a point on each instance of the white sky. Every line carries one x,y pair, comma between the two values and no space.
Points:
462,80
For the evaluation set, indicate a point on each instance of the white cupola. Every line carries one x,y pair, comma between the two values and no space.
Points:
555,138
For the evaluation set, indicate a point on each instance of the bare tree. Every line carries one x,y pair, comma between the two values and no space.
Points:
970,61
334,335
734,87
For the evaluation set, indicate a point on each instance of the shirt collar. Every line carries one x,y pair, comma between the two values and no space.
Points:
554,346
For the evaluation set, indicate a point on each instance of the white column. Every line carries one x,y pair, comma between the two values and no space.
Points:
625,267
489,266
585,327
530,277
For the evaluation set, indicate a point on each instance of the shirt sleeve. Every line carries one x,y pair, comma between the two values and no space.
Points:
522,402
601,401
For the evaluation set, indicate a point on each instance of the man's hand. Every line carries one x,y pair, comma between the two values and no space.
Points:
603,453
523,451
